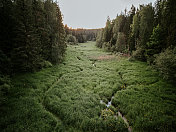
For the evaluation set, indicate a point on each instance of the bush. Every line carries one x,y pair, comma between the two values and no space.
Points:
165,62
46,64
106,46
121,42
5,85
5,66
139,54
71,39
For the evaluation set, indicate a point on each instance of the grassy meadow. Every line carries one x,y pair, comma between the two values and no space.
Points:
67,97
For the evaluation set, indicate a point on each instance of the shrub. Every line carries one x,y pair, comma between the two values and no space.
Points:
121,42
165,62
106,46
71,39
5,66
5,85
139,54
46,64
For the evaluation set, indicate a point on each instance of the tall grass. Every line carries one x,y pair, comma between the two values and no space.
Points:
67,97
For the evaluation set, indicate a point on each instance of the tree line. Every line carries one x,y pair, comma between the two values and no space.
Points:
80,35
32,35
146,33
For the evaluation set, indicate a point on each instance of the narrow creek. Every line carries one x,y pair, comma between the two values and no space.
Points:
119,113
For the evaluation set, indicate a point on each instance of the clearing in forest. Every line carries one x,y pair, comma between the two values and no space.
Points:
92,90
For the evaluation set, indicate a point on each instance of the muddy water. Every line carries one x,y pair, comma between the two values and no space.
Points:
119,113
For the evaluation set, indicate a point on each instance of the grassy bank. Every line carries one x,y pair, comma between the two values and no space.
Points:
67,97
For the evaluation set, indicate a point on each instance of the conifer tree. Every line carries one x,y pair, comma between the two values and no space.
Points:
7,23
134,33
58,47
107,31
146,24
154,45
36,35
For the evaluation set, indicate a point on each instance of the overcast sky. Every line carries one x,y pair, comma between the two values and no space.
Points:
93,13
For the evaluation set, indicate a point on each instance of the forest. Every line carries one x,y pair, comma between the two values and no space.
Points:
80,35
54,78
146,34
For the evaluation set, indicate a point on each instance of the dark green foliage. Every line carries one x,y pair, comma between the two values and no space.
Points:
154,44
142,33
57,37
134,33
142,29
5,85
25,54
66,97
46,64
107,31
166,18
121,43
71,39
165,62
6,35
35,35
99,39
5,64
81,38
147,101
146,24
138,54
115,35
168,22
81,35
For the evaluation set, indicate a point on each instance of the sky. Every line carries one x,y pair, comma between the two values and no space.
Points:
91,14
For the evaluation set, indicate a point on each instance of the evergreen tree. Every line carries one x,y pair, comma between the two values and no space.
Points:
146,24
36,35
134,33
121,42
170,22
59,46
107,31
131,38
25,56
7,23
154,45
99,40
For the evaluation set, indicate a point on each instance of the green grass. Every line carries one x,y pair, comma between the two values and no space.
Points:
67,97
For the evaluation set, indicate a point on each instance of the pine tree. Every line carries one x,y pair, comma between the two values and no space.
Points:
121,42
134,36
35,36
7,23
58,48
170,22
99,39
131,38
25,55
146,24
154,46
107,31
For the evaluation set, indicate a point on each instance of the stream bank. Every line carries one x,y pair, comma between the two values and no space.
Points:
117,114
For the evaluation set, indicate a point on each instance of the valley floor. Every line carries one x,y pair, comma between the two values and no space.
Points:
73,96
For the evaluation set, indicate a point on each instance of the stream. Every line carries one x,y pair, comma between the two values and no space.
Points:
119,113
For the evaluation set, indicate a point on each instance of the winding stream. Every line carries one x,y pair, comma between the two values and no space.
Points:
119,113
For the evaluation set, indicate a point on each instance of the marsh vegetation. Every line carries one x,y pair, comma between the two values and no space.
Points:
57,79
67,97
